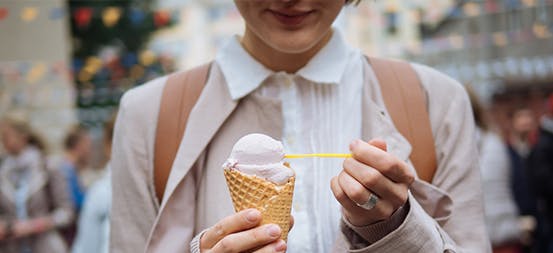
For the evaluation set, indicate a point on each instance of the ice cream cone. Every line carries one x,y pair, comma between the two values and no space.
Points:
272,200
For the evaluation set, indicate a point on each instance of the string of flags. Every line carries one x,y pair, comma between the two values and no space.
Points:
33,71
528,68
537,31
476,8
131,65
470,9
83,16
112,15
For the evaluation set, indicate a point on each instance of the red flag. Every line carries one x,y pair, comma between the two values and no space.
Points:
83,16
3,13
161,18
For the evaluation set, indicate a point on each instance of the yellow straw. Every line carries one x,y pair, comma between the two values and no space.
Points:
317,155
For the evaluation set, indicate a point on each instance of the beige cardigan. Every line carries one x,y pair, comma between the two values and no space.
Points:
48,197
446,216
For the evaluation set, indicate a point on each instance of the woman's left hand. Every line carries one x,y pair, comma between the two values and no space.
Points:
22,229
373,184
31,227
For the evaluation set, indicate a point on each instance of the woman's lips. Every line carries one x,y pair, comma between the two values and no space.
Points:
290,18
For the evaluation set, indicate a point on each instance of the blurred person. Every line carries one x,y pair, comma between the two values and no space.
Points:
77,151
93,226
541,166
77,145
521,141
502,216
2,154
34,201
523,134
293,76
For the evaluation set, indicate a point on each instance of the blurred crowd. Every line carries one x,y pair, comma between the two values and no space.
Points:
45,207
517,176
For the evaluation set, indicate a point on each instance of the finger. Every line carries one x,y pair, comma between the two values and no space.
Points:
354,190
356,215
240,221
379,143
278,246
372,180
249,239
342,197
387,164
346,181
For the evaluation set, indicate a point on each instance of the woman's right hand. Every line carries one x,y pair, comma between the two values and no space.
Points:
241,232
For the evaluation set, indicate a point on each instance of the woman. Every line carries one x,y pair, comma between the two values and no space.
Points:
291,76
34,201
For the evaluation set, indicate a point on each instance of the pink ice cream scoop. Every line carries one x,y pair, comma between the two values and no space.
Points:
261,156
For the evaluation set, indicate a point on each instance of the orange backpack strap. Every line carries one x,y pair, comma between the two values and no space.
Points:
405,100
180,94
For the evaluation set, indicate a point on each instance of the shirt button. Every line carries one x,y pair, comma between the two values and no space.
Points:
290,140
288,82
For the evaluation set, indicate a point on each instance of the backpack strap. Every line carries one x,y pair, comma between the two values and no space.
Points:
406,102
180,94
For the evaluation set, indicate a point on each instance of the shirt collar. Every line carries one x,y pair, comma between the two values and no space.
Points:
244,74
328,66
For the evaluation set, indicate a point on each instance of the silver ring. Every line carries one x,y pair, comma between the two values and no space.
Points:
371,202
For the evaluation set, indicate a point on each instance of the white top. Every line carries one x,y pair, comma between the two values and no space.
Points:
322,114
500,209
93,226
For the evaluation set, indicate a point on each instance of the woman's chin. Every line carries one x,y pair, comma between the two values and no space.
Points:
297,42
293,46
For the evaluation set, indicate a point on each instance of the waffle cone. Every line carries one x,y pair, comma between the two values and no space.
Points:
273,201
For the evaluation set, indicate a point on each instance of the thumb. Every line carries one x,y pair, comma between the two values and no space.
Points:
379,143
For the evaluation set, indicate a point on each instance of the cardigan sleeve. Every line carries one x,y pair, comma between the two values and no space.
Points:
134,206
447,215
63,212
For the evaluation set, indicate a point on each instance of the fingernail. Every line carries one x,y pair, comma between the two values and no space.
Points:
353,144
253,215
281,246
273,230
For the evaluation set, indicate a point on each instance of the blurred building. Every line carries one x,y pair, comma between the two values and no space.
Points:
504,49
34,71
392,28
203,26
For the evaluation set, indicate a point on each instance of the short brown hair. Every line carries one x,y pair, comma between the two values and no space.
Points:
356,2
477,109
109,126
74,136
19,122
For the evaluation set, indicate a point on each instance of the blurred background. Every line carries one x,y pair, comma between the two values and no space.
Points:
67,63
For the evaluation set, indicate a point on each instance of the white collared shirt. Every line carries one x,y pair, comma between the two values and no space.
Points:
322,114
